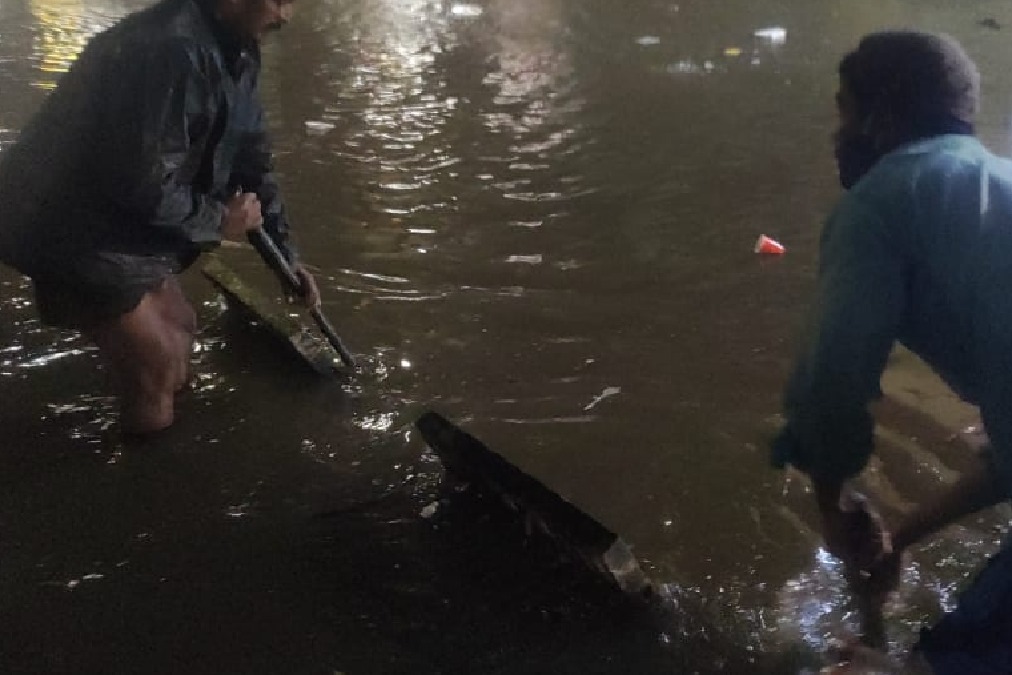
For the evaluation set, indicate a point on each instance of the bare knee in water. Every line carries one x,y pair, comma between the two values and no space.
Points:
177,312
149,349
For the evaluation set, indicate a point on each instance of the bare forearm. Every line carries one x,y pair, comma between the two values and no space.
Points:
852,530
978,488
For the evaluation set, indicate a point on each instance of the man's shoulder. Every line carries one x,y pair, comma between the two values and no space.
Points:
954,165
170,26
948,154
931,167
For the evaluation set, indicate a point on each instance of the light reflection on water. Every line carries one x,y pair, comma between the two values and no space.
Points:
400,111
88,420
62,28
32,346
814,606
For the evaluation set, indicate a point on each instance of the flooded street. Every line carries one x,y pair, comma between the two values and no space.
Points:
537,218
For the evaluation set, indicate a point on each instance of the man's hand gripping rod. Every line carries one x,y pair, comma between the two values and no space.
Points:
272,255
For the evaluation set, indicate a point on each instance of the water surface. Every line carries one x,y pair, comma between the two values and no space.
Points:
535,217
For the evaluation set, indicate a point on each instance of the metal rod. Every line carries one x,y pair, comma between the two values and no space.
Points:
272,255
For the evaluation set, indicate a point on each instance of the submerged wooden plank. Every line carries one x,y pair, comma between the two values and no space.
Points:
573,531
316,352
911,382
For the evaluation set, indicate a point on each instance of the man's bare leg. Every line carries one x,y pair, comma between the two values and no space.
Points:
149,350
176,311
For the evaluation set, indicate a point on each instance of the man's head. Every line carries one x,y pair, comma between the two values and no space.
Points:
253,19
897,87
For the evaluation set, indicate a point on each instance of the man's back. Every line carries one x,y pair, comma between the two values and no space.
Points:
920,251
925,235
84,172
946,204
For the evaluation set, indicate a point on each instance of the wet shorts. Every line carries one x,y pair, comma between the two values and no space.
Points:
976,638
97,287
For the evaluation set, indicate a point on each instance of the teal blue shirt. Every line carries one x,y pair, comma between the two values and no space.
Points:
919,251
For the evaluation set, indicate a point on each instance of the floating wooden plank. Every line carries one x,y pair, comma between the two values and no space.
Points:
316,352
576,533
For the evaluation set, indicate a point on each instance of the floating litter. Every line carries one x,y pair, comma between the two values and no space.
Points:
608,391
765,244
775,34
535,259
430,510
648,40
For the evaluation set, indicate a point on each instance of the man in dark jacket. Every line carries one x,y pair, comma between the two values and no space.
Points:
151,150
918,251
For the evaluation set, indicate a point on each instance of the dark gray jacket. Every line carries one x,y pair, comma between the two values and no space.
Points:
157,123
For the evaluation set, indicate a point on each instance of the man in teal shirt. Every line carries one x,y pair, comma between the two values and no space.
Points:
918,251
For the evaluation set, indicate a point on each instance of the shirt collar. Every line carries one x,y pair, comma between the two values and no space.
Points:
236,51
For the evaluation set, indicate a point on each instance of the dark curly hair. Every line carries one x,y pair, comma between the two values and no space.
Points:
917,84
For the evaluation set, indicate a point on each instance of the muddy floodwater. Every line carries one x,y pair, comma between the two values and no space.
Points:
537,218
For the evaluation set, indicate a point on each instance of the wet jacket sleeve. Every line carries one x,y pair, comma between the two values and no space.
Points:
162,122
829,429
253,169
992,340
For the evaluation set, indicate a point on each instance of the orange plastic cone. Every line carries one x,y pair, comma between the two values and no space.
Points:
766,245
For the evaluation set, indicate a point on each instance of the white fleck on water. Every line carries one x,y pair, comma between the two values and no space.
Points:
774,34
318,126
608,391
466,10
528,259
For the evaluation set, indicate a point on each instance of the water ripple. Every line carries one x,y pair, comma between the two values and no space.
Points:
431,116
61,30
